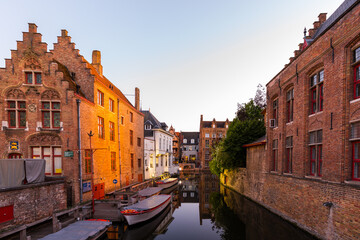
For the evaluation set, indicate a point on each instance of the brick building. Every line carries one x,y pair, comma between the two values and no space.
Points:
176,145
211,132
308,171
190,148
51,100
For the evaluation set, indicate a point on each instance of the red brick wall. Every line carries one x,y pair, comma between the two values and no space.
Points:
299,200
33,202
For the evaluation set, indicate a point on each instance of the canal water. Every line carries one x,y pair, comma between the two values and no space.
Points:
204,209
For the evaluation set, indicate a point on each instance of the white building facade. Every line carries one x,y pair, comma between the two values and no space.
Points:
158,152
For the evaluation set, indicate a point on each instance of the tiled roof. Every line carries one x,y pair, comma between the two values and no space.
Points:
191,135
259,141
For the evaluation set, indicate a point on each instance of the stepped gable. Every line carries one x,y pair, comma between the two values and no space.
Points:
65,53
85,71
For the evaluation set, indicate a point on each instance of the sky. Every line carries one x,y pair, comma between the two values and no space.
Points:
188,57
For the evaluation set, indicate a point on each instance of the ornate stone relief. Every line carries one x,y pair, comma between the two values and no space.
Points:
50,94
31,59
15,93
45,139
32,107
32,91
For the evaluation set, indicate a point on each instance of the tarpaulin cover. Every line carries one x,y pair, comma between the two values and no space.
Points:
81,230
35,170
12,172
149,203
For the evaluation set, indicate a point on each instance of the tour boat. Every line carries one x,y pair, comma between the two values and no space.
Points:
145,209
146,193
168,182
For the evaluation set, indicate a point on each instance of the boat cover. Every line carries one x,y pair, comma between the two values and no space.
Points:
149,203
169,180
147,192
80,230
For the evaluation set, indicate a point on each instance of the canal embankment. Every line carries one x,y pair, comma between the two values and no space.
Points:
328,210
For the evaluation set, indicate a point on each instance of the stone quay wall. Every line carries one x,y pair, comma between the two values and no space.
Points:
326,209
33,202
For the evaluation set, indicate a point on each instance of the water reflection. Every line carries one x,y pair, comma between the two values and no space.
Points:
202,209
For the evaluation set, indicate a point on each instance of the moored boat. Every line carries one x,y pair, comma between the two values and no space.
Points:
146,209
168,182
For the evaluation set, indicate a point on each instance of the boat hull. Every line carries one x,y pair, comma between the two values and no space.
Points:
164,184
143,216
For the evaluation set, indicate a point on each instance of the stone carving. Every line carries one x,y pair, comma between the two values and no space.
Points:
45,139
15,93
32,91
50,94
32,107
31,59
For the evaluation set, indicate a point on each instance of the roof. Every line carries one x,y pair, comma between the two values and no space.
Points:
260,141
189,136
339,12
150,119
219,124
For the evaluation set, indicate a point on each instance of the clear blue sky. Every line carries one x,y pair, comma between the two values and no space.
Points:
188,57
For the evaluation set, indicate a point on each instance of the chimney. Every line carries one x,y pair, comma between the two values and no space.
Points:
32,28
201,118
64,33
316,25
96,61
137,99
322,18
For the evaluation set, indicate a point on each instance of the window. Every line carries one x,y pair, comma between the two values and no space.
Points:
16,114
151,161
192,140
100,98
214,135
111,105
206,143
113,161
213,125
139,142
131,117
31,76
139,162
50,114
157,161
315,143
112,131
275,111
147,127
122,120
207,135
274,155
185,140
101,130
220,135
87,161
289,154
207,155
131,137
52,156
355,136
161,161
132,160
317,92
357,74
290,105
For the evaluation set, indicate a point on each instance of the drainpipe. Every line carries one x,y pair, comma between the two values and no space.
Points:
118,123
78,101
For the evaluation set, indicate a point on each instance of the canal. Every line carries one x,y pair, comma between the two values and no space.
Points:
204,209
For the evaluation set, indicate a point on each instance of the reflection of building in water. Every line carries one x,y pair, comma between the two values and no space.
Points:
189,191
208,183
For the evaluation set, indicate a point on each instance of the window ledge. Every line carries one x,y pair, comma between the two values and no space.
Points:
289,123
32,85
355,100
51,129
313,177
14,129
353,183
287,174
275,173
314,114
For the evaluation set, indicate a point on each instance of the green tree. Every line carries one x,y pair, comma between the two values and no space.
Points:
247,126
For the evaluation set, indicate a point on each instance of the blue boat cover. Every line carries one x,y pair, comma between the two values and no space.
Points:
80,230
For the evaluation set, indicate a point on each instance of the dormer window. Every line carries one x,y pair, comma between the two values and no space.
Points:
33,77
185,140
192,140
213,125
147,127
